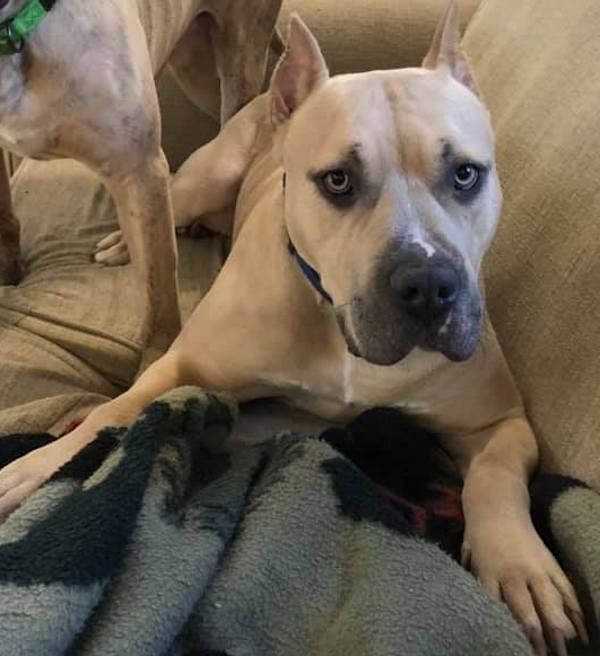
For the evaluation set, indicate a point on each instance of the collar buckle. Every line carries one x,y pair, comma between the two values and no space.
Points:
10,43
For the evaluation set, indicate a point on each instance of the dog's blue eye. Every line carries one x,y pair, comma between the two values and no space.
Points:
337,183
466,177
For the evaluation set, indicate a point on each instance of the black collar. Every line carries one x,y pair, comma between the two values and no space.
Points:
310,273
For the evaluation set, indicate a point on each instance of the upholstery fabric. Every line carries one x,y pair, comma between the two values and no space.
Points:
536,66
70,332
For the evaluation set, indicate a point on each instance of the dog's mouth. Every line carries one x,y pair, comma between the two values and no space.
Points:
383,343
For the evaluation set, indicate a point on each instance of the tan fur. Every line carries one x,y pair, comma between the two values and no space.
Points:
262,330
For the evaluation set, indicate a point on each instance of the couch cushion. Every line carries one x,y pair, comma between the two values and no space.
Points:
536,65
360,36
70,332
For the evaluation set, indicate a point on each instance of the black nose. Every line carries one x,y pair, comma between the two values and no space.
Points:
427,292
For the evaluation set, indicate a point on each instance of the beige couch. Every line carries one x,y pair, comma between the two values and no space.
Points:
69,335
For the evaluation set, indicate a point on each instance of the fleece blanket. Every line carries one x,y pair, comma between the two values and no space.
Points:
156,540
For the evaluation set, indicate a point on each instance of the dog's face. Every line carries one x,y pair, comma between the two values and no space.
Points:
392,195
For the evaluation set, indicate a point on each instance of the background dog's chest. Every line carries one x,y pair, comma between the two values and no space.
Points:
12,84
19,130
29,115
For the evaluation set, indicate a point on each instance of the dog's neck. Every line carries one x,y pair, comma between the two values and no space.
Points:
310,273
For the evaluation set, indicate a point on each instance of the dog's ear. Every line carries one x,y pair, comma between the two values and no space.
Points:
445,52
300,70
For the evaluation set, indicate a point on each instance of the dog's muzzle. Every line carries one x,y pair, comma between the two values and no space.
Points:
414,301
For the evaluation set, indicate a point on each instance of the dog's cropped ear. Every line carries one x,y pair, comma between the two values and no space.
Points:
445,52
300,70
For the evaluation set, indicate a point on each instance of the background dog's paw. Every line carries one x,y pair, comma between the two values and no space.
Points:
112,250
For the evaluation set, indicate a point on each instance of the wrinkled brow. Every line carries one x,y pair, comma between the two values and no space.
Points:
450,157
350,160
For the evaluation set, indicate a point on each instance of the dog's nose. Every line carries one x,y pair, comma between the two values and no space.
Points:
427,292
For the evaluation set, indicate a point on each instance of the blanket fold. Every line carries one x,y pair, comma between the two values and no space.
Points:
157,541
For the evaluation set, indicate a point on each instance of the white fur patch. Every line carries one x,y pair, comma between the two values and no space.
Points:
444,329
347,378
426,246
284,382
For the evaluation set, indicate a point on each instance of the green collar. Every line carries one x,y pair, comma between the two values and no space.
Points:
15,30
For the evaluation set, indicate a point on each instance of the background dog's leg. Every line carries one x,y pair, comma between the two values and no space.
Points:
146,218
122,143
241,48
10,267
193,63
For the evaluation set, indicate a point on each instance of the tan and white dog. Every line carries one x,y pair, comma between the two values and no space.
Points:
82,85
364,206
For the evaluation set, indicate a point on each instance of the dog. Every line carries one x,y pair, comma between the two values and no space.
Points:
81,85
364,205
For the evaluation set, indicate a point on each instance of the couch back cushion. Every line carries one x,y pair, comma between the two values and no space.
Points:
355,36
536,65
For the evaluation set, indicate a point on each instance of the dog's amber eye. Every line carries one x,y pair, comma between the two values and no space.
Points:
337,182
466,177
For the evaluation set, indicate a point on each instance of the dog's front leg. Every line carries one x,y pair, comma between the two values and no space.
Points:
146,218
10,267
21,478
501,544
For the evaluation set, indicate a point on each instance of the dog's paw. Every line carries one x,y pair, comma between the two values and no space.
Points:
24,476
112,250
514,565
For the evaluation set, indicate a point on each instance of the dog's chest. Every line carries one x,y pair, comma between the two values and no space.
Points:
342,389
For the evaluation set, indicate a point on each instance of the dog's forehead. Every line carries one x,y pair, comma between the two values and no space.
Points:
388,112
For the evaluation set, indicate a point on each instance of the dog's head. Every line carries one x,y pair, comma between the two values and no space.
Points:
392,193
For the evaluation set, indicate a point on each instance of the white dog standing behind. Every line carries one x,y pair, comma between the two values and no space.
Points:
77,80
